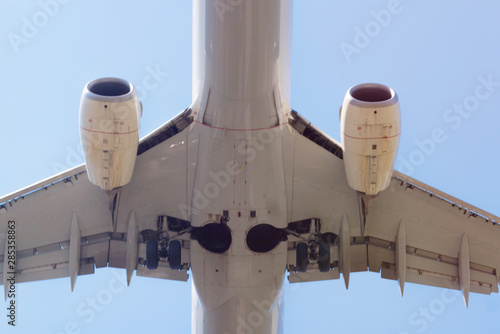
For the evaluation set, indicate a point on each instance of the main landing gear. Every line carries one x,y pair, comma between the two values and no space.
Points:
161,245
314,249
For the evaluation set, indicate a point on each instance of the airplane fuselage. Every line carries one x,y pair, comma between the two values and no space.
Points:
241,89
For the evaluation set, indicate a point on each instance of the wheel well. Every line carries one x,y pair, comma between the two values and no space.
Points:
263,238
214,237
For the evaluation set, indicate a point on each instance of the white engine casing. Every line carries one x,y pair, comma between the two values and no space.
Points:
110,114
370,131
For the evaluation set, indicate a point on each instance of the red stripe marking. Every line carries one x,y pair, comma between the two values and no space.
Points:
371,138
216,127
109,133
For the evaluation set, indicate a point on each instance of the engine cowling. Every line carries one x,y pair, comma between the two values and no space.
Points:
370,130
110,114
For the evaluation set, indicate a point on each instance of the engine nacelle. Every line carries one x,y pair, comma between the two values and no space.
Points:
371,127
110,114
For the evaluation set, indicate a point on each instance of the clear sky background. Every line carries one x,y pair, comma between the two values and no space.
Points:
435,55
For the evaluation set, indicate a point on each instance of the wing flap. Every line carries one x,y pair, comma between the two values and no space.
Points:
96,247
117,253
52,261
421,268
42,260
49,270
359,260
59,270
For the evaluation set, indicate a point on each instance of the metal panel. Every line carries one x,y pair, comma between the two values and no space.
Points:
99,252
312,276
359,259
320,187
117,253
163,272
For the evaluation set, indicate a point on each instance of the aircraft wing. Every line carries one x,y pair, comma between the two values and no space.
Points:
53,217
410,232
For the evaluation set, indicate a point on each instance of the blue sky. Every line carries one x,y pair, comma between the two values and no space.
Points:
434,55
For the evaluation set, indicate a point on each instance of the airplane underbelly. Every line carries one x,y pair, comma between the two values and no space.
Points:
239,208
239,315
241,174
237,293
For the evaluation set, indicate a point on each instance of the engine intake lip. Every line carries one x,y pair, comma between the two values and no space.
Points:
373,95
109,87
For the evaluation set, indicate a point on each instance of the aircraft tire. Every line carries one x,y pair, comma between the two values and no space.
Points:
152,254
174,254
302,257
324,256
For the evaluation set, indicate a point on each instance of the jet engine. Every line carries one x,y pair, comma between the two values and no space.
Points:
110,113
371,126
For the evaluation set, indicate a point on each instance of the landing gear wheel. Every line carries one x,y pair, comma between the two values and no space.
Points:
174,254
302,257
152,254
324,256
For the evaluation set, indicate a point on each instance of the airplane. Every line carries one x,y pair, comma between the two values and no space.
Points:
288,303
